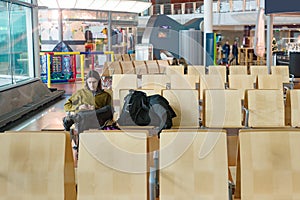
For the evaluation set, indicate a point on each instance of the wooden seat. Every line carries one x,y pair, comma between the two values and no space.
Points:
266,108
283,71
219,70
112,165
193,164
184,81
140,67
269,81
118,57
222,109
111,68
156,82
259,69
238,69
152,67
187,116
37,165
122,81
175,69
210,82
293,108
269,164
127,67
196,70
126,57
163,64
132,57
241,82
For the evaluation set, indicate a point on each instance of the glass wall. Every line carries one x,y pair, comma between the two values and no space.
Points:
16,42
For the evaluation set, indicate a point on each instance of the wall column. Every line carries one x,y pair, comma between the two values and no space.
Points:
208,29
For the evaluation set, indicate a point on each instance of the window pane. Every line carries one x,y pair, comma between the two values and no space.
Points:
15,42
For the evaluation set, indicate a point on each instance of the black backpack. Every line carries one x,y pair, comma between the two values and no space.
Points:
161,113
135,110
141,110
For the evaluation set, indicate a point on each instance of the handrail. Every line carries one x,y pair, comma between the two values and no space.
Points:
219,6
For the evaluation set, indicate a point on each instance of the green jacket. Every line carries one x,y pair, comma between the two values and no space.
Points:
85,96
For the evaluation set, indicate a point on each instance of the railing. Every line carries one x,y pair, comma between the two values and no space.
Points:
220,6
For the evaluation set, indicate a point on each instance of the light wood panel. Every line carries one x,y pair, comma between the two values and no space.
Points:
123,81
112,165
282,70
210,82
156,82
266,108
36,165
140,67
152,67
163,65
184,81
222,109
127,67
193,165
185,104
270,164
218,70
196,70
175,69
242,82
238,69
269,82
258,69
293,108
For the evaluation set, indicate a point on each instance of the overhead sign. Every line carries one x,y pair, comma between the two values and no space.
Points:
280,6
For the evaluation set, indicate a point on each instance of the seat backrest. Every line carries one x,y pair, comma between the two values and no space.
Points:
219,70
266,108
269,164
122,81
242,82
210,82
222,109
36,165
292,109
140,67
196,70
193,164
112,165
118,57
282,70
127,67
187,116
269,81
184,81
238,69
163,64
113,68
132,56
152,67
156,82
175,69
126,57
258,69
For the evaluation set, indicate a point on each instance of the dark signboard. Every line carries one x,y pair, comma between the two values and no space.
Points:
282,6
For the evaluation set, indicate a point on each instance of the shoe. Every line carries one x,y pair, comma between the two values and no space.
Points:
67,122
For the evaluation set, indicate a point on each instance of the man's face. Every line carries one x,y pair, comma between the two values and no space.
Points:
92,83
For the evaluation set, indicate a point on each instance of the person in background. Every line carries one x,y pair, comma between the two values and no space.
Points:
226,51
183,62
91,97
235,52
174,61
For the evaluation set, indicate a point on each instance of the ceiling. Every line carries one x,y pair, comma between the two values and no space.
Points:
132,6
